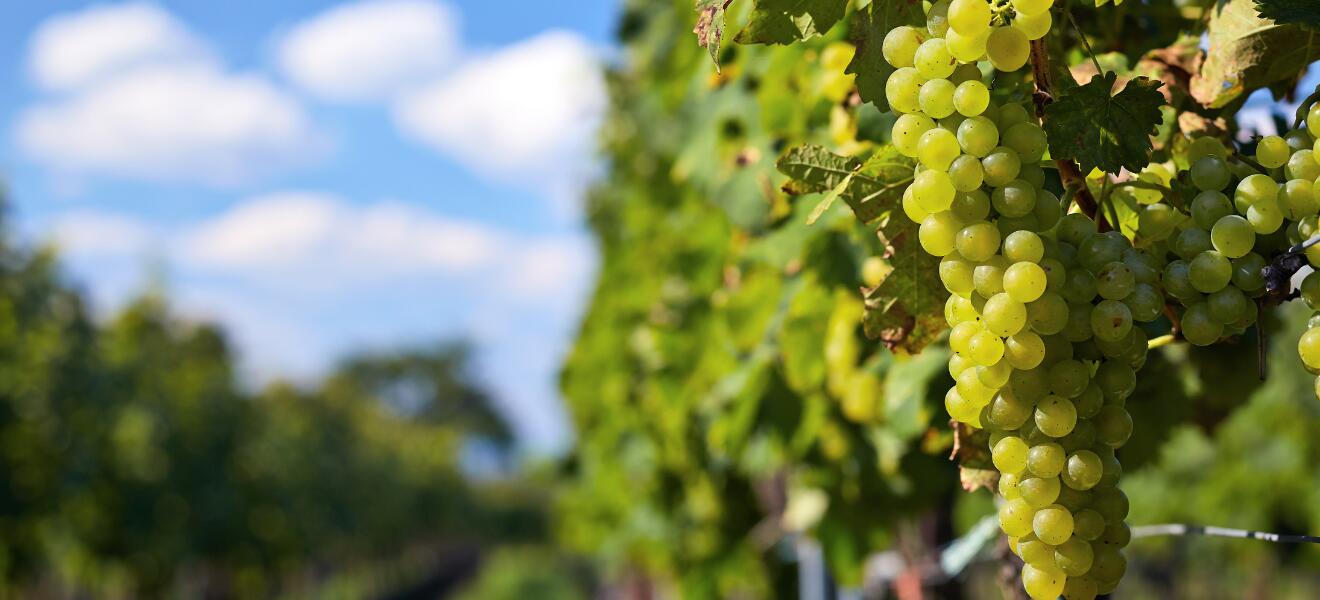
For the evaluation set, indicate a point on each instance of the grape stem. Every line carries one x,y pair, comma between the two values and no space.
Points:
1071,177
1144,531
1163,340
1250,163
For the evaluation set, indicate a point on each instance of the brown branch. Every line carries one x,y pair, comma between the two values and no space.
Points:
1069,174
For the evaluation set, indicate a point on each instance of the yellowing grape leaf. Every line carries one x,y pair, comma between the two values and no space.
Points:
868,34
906,310
788,21
870,187
1096,129
1248,51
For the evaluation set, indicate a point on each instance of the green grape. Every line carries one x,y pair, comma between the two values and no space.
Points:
1254,188
1080,588
1111,503
1043,584
1302,165
1117,535
1009,412
937,148
900,45
1206,146
1310,290
969,17
1057,348
1015,517
985,348
1157,221
1111,320
972,206
1074,556
903,89
1210,173
1032,7
1115,281
1056,416
1009,225
978,136
1144,267
952,312
965,171
915,213
936,98
1145,303
971,98
1053,524
1083,470
956,275
1210,206
1071,499
1039,492
1088,524
1313,120
1228,305
1008,486
1011,114
933,191
1108,564
932,59
978,241
1308,348
959,408
1055,273
1048,210
1101,249
1078,328
1017,198
1007,49
1045,460
1079,287
1233,236
1248,272
1009,455
1030,385
1299,139
1068,378
1191,242
1074,228
951,123
937,18
1113,426
1024,246
970,387
1028,140
1199,327
1024,350
988,278
1024,281
1003,315
1115,379
1087,405
1048,315
1033,174
960,336
938,232
907,132
1272,152
1176,280
1209,272
965,72
1299,199
1001,166
1265,217
1034,26
967,48
1035,552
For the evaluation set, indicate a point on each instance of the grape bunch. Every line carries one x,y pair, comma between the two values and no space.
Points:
1042,305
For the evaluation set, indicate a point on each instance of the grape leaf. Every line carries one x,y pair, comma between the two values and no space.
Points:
906,310
710,26
1283,12
1096,129
868,34
1248,52
869,187
788,21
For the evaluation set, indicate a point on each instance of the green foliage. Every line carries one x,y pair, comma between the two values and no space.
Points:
1249,52
906,309
788,21
1303,12
868,32
871,187
1100,130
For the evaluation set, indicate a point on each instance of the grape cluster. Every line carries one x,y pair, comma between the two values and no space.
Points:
1042,305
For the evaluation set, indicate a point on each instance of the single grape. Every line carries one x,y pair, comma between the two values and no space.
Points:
969,17
1265,217
1210,206
1011,114
937,148
970,207
956,274
1015,517
1056,416
1053,524
1110,502
1034,26
1209,272
933,191
1007,49
1113,426
966,173
1004,316
1210,173
1248,271
1299,200
1032,7
1047,460
1024,350
988,278
1048,315
1302,165
1001,166
900,45
1017,198
937,18
1308,348
1039,492
1074,228
1043,583
971,98
1115,281
1088,524
1191,242
1111,320
1083,470
933,60
1310,290
1024,246
1228,305
1024,281
1254,188
936,98
910,208
1272,151
938,232
1199,327
907,132
978,136
903,90
985,348
1176,280
1157,221
978,241
1009,412
1206,146
1079,287
1028,140
1074,556
967,48
1009,455
1145,303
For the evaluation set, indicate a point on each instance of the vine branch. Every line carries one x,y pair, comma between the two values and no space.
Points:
1183,529
1069,174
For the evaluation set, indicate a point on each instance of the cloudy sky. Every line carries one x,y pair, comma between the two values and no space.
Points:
318,176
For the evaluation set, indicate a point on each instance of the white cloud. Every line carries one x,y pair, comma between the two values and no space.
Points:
77,49
172,123
370,50
530,109
99,235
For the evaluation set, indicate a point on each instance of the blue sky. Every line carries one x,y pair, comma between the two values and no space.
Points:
320,177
